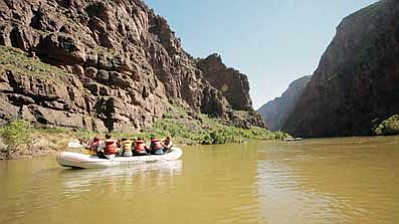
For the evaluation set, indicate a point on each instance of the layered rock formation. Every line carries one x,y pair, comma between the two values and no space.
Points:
233,85
357,82
276,112
121,66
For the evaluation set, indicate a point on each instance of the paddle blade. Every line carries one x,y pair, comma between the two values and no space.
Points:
75,144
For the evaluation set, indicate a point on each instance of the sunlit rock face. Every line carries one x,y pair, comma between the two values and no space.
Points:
233,85
128,67
357,82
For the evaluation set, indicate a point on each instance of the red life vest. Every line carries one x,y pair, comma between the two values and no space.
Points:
139,146
109,147
156,144
94,145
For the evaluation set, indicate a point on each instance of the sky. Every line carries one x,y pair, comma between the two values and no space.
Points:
273,42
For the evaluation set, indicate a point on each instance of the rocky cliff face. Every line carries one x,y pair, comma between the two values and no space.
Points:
120,66
276,112
357,82
233,85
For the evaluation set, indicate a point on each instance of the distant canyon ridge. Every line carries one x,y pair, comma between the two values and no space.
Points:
108,65
356,85
276,112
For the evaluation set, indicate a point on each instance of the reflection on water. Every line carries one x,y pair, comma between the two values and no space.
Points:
350,180
51,192
285,200
79,181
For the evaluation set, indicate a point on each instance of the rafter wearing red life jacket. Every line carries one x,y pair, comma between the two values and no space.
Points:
156,147
156,144
139,146
109,147
93,145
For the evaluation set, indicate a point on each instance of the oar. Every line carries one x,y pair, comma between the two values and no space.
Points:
74,144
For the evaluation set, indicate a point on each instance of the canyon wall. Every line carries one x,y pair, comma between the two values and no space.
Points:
356,84
104,65
276,112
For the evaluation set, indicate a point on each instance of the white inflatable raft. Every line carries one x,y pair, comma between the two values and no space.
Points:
78,160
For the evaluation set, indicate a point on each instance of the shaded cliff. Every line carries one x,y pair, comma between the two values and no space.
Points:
276,112
119,66
356,85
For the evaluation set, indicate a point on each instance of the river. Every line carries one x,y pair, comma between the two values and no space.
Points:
342,180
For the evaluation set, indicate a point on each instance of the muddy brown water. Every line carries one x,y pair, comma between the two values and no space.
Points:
342,180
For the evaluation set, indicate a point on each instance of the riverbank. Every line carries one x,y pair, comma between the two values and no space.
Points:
20,140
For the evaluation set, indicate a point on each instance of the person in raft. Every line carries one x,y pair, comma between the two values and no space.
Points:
156,146
167,144
126,146
92,145
139,148
107,148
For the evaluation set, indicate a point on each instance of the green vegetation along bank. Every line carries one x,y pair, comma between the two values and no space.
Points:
19,139
389,126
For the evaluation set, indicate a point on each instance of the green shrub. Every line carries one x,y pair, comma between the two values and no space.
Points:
389,126
53,130
94,9
205,130
16,136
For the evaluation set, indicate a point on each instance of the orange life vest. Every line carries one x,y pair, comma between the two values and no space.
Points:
109,147
139,146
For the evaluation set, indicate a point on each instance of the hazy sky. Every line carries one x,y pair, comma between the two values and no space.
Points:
273,42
